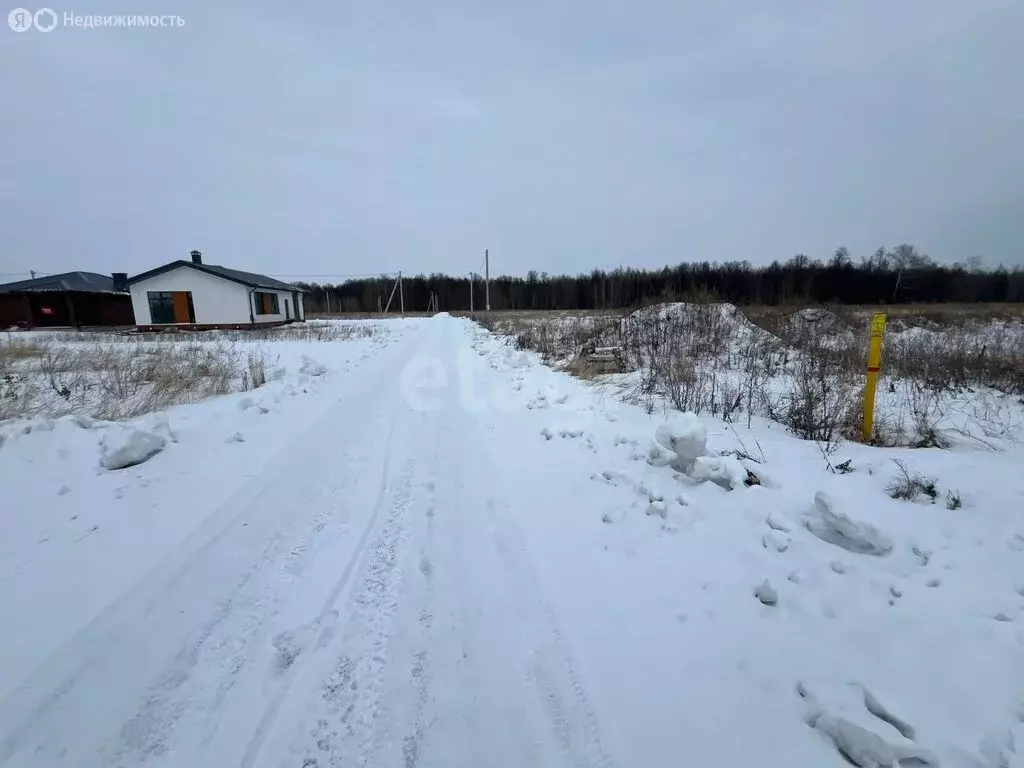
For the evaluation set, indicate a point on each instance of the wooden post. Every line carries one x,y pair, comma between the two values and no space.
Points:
874,366
487,281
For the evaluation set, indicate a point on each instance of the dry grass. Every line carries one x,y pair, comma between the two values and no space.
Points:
119,380
309,331
805,372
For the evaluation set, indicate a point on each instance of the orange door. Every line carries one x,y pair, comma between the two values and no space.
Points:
181,307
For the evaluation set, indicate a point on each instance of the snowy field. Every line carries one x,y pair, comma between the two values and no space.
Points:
961,380
425,547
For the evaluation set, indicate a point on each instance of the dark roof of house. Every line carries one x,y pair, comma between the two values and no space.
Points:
251,279
91,282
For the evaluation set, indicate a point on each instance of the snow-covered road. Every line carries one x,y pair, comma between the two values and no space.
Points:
368,599
458,557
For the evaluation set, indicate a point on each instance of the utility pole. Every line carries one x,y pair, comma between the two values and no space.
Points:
327,293
470,291
487,281
401,295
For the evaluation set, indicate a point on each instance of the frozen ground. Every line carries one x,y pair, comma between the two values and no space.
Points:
431,550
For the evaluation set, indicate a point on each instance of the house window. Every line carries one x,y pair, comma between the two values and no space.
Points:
266,303
166,307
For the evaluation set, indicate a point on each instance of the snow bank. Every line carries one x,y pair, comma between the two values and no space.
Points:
122,447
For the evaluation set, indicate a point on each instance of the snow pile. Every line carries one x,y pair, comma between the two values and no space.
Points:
724,317
725,471
126,446
837,528
311,367
685,436
681,443
867,749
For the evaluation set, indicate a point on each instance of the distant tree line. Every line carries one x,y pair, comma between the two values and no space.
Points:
897,275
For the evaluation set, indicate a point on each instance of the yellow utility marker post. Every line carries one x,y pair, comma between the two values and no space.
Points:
874,364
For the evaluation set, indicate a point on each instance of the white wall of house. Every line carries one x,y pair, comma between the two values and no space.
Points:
282,296
216,301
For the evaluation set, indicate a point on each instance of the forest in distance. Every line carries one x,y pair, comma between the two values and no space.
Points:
888,276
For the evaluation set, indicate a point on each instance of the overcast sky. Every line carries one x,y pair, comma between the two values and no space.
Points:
339,137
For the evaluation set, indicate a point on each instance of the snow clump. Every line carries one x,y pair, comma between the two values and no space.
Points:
837,528
685,436
311,367
122,447
725,471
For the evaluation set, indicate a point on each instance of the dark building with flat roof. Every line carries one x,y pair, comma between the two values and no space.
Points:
70,299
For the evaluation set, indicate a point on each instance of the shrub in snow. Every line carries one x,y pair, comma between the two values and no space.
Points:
122,447
830,525
725,471
685,436
818,403
311,367
909,487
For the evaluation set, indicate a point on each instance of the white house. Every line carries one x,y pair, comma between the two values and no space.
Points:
190,294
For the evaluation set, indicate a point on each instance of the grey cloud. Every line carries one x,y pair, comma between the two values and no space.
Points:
352,138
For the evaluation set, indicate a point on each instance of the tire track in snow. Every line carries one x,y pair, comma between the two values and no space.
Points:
348,698
548,667
327,620
183,649
402,725
551,668
227,641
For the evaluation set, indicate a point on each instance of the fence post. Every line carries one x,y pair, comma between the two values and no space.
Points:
874,365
